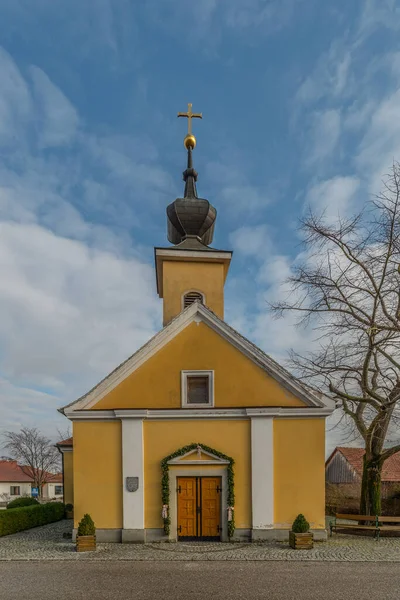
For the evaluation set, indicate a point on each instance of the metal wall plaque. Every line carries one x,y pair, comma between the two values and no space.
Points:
132,484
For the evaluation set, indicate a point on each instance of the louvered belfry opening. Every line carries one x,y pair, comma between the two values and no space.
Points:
197,389
191,297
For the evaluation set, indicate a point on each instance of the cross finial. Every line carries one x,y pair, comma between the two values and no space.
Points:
190,115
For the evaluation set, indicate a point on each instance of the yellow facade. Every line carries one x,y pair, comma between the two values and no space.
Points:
230,437
299,475
117,478
238,381
98,473
68,478
299,471
180,277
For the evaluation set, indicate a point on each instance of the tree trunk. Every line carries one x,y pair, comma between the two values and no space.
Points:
370,502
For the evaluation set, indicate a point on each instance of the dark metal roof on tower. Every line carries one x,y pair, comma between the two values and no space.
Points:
191,218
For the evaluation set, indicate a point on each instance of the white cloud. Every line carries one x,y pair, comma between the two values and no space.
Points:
70,309
330,77
251,241
58,119
334,197
381,142
15,100
22,406
325,135
78,296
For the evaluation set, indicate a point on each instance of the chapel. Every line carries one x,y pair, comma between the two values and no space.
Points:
199,435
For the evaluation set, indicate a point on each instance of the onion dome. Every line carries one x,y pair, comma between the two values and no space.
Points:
191,216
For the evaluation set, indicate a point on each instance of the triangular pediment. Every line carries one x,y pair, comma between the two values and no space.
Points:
195,314
198,456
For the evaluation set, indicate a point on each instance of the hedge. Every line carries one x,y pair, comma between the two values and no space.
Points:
18,519
18,502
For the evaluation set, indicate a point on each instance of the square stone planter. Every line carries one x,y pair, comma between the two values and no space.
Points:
69,514
85,543
301,541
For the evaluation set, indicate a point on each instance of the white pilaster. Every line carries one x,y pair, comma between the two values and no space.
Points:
262,473
132,466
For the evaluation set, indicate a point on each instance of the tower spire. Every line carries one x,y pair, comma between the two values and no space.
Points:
191,216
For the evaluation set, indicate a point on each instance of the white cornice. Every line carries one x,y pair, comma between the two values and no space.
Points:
194,254
193,413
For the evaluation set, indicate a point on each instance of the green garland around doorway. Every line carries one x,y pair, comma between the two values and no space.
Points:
165,491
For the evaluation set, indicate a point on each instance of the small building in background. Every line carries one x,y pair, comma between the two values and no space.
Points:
343,469
16,482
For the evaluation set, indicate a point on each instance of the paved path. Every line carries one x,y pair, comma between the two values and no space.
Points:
47,543
198,581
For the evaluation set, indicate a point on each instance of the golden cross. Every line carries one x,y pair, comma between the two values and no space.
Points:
190,115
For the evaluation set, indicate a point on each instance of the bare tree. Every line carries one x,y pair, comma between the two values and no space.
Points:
348,289
36,454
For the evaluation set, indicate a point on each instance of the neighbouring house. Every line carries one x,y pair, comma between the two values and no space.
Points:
16,482
65,448
199,434
13,481
343,470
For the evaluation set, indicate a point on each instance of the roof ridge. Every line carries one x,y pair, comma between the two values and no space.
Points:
153,337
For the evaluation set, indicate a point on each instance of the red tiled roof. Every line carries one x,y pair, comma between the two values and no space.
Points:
11,471
391,466
67,442
55,478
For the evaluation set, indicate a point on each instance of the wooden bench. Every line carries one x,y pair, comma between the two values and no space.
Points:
370,522
382,527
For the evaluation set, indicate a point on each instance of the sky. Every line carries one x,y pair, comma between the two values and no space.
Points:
301,107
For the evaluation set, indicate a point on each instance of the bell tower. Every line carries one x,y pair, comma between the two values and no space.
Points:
190,270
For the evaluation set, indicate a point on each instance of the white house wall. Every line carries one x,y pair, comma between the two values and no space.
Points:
25,489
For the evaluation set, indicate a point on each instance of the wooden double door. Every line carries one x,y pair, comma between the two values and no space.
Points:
199,508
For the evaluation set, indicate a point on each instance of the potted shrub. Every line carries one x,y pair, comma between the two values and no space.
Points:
300,537
86,536
69,511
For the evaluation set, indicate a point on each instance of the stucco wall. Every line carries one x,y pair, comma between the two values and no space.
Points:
5,489
299,471
238,381
98,473
180,277
230,437
68,477
49,491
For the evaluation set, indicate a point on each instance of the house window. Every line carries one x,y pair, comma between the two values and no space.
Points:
15,490
197,388
191,297
58,490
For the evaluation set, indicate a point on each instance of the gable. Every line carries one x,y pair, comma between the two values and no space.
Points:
198,457
238,380
338,470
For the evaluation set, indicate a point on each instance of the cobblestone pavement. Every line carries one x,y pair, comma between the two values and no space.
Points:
47,543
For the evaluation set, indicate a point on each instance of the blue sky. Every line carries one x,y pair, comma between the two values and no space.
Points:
301,106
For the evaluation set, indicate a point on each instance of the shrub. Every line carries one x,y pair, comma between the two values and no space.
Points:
300,524
25,517
25,501
69,507
86,526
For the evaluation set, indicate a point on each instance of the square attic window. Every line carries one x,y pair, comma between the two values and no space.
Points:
197,388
